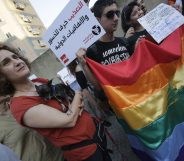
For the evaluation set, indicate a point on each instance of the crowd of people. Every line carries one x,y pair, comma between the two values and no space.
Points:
45,129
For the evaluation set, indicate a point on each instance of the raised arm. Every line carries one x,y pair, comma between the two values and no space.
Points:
43,116
81,53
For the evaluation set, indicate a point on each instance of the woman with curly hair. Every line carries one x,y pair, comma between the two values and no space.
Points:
74,132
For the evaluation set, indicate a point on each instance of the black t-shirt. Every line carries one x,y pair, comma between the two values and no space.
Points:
132,40
81,79
109,52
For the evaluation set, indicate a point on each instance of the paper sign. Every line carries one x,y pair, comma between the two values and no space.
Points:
161,21
75,27
66,76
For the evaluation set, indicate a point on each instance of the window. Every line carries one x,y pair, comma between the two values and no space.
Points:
27,19
33,30
8,35
19,5
41,43
29,28
19,49
36,31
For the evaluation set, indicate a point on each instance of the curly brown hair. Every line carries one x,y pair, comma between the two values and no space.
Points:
6,88
4,104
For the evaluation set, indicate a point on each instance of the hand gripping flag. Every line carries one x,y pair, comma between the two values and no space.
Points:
147,94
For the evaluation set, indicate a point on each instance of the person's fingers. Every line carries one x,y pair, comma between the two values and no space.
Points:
131,29
80,112
81,52
82,104
137,42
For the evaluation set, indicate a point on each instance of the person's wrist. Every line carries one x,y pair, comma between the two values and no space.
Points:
82,62
78,93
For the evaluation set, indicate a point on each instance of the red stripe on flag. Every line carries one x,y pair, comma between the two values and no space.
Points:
146,56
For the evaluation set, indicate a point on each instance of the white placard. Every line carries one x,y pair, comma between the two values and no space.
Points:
66,76
161,21
75,27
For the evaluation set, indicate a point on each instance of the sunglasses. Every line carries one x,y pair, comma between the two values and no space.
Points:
111,14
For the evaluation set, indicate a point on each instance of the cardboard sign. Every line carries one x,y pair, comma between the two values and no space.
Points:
75,27
161,21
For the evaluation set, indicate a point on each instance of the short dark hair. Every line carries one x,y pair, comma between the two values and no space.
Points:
125,15
6,88
99,6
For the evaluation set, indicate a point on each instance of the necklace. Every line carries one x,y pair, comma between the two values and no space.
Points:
31,89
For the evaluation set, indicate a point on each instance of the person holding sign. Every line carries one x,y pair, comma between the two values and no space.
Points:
108,49
130,32
107,13
129,16
75,132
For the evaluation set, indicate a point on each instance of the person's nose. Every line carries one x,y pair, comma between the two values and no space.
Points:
16,62
141,12
116,18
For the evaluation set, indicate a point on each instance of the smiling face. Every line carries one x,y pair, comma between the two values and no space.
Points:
109,18
135,15
12,66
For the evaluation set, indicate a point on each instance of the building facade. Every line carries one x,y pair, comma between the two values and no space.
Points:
21,27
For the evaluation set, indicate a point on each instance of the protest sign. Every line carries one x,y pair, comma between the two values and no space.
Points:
75,27
161,21
66,76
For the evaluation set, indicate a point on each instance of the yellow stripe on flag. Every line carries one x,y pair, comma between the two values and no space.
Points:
142,108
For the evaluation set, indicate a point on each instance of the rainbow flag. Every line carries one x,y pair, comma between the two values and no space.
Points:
147,94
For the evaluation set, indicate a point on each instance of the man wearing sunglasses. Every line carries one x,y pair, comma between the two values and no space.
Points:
108,49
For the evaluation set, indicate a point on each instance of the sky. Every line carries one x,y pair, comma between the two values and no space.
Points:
48,10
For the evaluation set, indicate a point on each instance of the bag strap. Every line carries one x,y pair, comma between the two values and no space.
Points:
78,145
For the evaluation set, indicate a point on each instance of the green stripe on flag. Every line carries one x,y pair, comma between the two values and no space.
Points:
155,133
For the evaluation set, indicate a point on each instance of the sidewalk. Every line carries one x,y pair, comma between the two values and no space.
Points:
118,134
121,139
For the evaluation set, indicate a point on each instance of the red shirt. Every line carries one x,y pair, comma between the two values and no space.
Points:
83,130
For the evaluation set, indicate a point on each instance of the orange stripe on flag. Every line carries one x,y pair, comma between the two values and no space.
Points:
146,85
